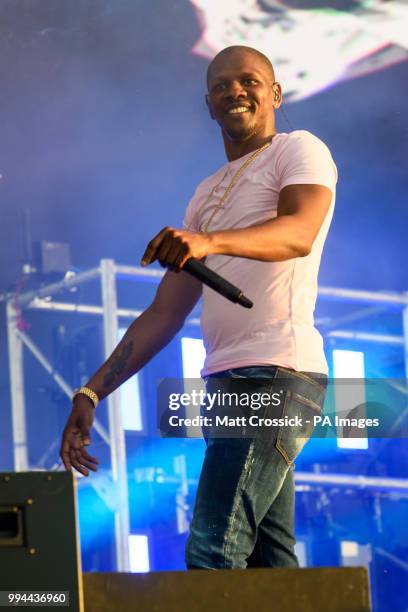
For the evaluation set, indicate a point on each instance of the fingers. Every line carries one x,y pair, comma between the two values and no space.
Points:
165,252
82,461
173,252
88,457
150,253
64,454
65,450
181,259
74,454
76,436
169,247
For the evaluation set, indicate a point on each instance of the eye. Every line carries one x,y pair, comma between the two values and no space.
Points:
250,81
218,87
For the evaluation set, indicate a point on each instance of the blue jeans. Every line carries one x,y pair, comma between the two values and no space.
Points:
244,508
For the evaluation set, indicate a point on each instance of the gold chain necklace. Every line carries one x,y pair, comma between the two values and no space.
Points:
232,183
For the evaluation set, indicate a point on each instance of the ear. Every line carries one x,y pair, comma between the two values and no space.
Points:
208,103
277,95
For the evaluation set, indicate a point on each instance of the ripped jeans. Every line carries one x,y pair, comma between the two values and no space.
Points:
244,508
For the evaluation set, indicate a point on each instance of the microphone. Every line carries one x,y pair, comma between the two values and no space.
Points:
210,278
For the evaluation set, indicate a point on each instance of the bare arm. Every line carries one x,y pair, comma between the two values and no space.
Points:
176,296
301,212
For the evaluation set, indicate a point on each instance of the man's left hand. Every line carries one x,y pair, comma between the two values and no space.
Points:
172,247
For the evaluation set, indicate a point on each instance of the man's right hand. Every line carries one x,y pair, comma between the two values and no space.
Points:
76,436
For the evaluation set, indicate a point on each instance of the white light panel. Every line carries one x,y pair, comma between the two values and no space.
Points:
130,404
349,364
301,553
139,553
193,355
354,554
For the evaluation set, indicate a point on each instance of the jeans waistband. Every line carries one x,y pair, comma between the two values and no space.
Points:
312,384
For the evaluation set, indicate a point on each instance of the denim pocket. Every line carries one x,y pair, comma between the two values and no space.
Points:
298,423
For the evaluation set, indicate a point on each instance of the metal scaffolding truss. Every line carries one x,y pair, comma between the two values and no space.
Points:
108,272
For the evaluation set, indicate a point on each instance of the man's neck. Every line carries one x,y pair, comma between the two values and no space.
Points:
235,149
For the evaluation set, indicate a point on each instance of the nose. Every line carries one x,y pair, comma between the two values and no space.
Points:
235,90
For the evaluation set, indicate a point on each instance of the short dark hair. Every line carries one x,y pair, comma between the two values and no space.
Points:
265,60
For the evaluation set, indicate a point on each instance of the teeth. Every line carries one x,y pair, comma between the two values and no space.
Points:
238,109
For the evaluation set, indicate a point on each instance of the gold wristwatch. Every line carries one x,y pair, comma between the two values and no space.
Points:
89,393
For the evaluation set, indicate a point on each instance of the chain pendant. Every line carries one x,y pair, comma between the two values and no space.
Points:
231,185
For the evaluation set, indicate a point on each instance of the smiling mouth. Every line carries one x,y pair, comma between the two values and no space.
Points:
238,110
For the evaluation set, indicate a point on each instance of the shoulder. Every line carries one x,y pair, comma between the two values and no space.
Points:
301,140
301,146
302,157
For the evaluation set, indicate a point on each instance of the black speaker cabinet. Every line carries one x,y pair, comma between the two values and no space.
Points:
325,589
39,550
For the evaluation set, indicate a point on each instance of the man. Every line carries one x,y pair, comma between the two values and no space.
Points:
261,221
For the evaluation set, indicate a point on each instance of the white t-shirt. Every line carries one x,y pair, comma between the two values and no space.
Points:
279,329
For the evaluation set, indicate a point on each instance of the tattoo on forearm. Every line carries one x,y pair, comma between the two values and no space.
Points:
118,365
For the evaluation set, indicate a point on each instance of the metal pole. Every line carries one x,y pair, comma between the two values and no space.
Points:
53,288
353,295
57,378
123,313
405,332
15,355
348,480
367,337
116,432
142,274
